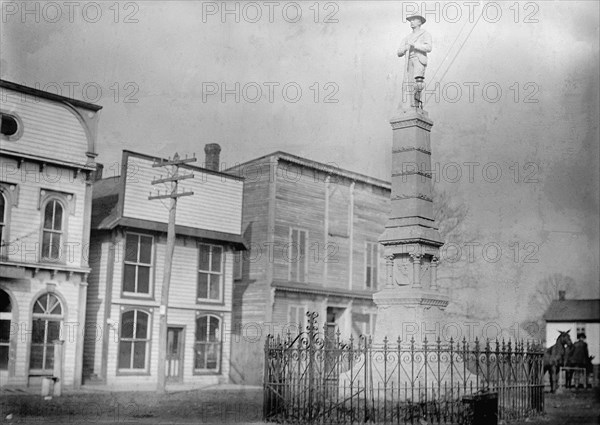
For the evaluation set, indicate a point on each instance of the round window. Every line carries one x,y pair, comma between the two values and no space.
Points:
10,126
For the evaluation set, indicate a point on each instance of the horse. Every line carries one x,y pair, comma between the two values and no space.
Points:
556,356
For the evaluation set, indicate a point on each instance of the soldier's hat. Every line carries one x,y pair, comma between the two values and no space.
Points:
423,20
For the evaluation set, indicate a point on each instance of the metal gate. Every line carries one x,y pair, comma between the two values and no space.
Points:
314,377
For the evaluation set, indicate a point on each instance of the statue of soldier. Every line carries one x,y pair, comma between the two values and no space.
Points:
416,46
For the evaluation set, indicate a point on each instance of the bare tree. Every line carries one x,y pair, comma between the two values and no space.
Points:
546,291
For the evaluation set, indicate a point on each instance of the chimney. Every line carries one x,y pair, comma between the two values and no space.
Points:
561,295
212,151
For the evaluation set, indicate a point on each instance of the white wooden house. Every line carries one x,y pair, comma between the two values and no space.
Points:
577,316
127,255
47,151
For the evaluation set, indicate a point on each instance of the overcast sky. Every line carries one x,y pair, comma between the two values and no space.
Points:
532,111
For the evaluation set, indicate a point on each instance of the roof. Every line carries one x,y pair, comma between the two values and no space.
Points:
573,311
187,166
326,168
47,95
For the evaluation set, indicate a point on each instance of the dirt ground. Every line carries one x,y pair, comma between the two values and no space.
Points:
572,407
221,404
216,405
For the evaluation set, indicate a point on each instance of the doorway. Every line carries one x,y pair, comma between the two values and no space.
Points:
174,362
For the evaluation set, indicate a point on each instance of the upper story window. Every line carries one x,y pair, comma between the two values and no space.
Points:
3,208
238,265
297,249
137,276
52,230
11,127
372,259
210,273
8,197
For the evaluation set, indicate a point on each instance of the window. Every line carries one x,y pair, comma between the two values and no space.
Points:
297,318
3,209
52,230
9,194
371,265
210,272
363,324
238,263
5,319
207,349
138,264
10,126
134,340
297,255
47,321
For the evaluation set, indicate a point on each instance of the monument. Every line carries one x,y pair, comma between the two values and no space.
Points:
414,48
411,300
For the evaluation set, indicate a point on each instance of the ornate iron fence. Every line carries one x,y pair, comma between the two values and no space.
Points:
317,378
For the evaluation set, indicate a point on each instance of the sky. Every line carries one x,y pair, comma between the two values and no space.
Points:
515,134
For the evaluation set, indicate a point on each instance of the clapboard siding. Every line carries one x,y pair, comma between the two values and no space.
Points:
47,156
95,321
184,274
23,296
251,294
47,126
216,204
26,216
300,204
339,214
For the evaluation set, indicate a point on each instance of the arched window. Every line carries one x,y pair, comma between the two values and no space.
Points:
52,230
5,319
47,321
207,349
134,341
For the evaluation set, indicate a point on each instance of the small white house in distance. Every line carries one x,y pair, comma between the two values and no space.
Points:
578,316
127,256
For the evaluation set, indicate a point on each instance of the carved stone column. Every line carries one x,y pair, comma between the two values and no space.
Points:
435,261
416,259
389,271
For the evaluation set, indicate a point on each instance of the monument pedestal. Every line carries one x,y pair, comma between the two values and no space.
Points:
410,305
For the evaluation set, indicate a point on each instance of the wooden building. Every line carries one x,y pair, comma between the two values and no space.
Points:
577,316
47,151
127,255
313,232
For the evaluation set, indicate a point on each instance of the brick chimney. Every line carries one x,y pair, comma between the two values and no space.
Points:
212,151
561,295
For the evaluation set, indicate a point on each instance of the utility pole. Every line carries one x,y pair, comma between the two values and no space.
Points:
173,178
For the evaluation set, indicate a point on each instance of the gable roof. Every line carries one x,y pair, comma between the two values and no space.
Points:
573,311
325,168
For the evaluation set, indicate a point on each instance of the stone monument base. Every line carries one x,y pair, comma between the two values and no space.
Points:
407,313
